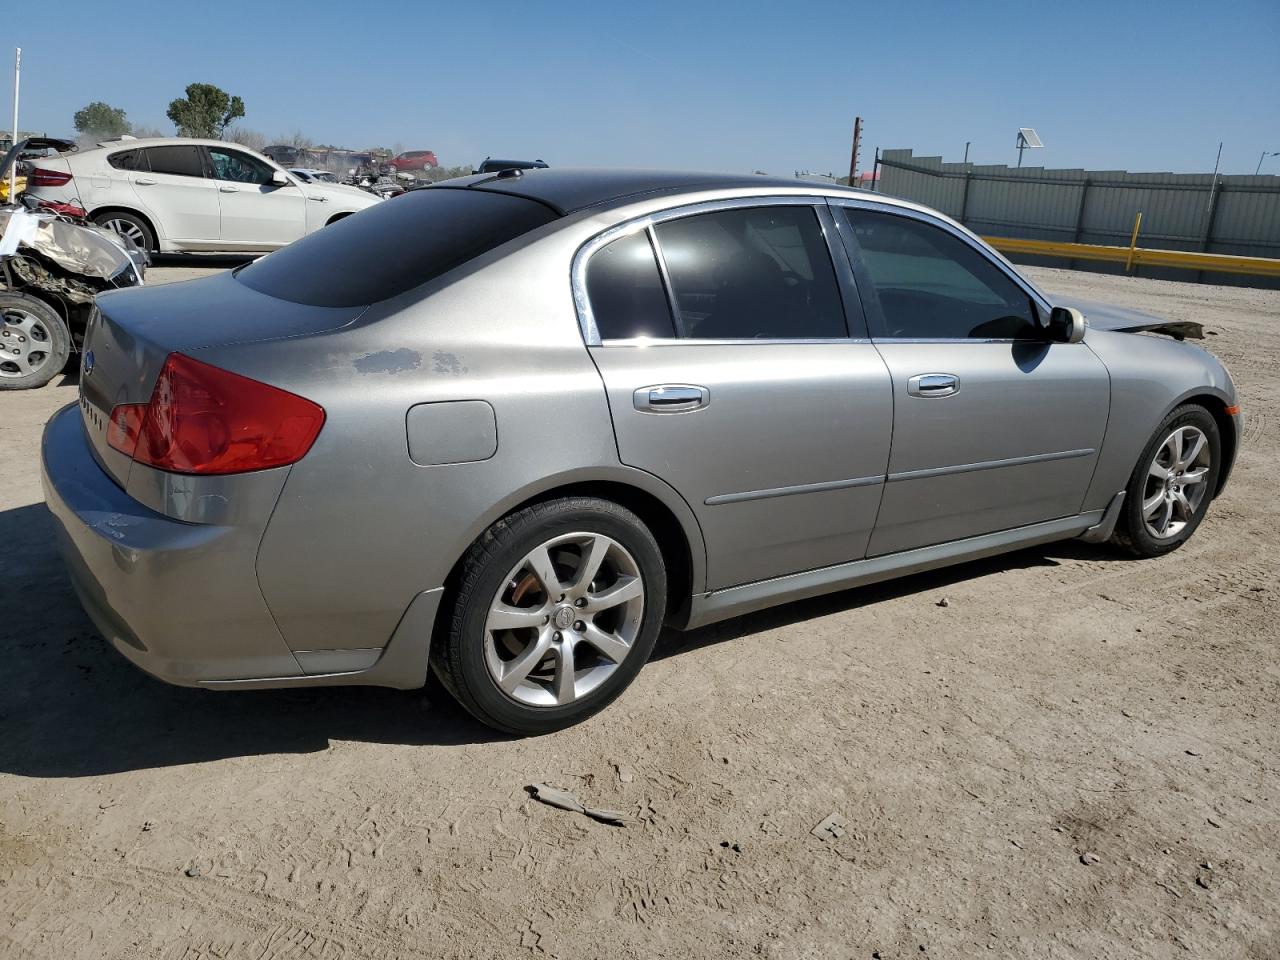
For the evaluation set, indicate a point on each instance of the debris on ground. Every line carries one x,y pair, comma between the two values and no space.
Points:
1089,859
564,800
831,827
944,602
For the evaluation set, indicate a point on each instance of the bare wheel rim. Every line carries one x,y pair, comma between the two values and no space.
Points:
1176,482
127,228
25,344
564,619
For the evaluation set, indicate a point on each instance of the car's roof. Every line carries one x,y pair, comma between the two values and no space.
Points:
134,143
566,190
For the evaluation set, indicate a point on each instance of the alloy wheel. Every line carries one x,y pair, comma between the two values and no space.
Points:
25,344
1176,484
129,229
563,620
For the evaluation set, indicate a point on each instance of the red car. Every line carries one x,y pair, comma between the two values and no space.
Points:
414,160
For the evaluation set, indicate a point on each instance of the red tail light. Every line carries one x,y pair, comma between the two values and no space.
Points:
204,420
40,177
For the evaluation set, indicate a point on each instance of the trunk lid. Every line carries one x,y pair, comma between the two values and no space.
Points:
131,332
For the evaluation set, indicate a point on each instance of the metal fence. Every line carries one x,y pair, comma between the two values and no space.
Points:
1180,211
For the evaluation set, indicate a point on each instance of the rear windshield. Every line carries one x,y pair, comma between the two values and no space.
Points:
399,244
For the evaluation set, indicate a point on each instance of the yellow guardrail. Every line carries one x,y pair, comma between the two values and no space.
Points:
1135,255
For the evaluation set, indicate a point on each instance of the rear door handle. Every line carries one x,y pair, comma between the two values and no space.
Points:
671,398
930,385
228,189
144,182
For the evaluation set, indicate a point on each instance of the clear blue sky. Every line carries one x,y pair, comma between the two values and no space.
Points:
716,86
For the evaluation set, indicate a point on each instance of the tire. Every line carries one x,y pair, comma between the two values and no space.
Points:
509,642
130,225
34,342
1163,505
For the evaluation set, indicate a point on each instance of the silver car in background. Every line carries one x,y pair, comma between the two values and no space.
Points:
508,426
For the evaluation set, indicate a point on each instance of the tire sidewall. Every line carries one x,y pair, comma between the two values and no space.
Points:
1189,415
573,517
59,340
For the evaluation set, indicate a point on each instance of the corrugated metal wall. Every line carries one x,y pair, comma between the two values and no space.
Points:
1098,206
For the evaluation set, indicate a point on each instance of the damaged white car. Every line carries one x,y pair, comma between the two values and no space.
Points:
50,271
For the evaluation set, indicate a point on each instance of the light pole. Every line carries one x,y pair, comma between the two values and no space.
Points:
1265,154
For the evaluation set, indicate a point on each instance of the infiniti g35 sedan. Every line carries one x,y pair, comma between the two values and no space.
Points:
506,427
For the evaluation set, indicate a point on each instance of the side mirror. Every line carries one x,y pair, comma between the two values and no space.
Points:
1066,325
279,178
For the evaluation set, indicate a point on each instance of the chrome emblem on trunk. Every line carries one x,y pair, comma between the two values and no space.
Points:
87,364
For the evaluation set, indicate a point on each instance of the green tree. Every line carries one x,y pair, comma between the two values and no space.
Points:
100,120
206,111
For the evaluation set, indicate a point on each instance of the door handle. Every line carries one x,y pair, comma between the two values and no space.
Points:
929,385
671,398
319,199
228,189
144,182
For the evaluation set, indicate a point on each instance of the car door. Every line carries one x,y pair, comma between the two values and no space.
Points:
170,182
733,374
995,427
256,212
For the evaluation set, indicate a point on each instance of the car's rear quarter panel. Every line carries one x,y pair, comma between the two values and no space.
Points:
360,529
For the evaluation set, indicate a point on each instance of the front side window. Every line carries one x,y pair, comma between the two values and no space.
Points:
933,285
626,293
180,161
238,167
752,273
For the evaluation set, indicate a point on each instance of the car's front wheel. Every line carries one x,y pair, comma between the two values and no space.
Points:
557,608
1173,483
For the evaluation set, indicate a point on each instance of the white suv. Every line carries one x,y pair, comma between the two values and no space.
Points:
176,195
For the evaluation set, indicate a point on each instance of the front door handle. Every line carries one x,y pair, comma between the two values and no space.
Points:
144,182
931,385
228,189
671,398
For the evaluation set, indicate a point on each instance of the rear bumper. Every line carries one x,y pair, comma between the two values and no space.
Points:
180,600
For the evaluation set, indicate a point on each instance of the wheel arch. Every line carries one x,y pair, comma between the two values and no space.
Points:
133,212
1216,405
661,509
342,215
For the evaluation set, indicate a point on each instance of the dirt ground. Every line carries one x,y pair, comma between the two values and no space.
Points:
1077,757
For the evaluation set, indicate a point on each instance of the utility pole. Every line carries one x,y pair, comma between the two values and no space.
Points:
13,169
857,143
966,150
1265,154
1213,184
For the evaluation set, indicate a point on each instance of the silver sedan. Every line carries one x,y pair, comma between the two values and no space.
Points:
506,427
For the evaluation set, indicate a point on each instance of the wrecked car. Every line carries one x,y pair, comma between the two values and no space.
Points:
51,268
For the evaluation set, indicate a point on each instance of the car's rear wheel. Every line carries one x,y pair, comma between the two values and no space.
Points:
557,608
128,225
34,342
1173,483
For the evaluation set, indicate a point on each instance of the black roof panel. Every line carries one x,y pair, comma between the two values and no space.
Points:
567,190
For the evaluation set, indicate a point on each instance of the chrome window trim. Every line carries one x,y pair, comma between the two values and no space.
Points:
582,256
704,342
965,237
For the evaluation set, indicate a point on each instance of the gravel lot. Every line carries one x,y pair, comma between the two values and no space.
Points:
1077,757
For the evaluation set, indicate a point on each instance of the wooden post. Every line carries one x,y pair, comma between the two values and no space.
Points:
853,157
1133,242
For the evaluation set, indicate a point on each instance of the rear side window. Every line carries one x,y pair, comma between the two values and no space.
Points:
129,160
753,273
626,292
181,161
400,244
